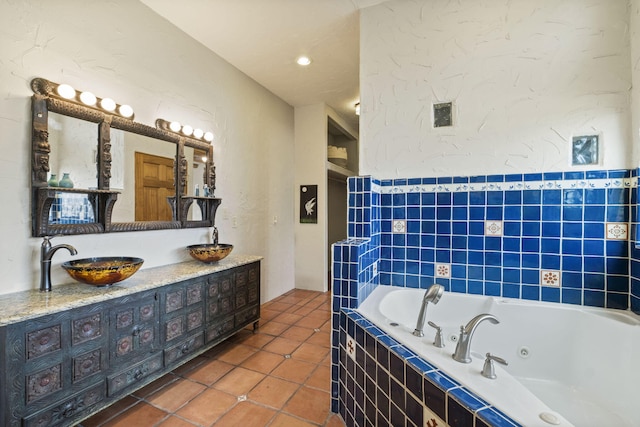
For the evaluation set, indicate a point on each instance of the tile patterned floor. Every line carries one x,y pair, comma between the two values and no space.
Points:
277,377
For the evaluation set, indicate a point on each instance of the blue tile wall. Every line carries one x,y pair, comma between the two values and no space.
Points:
550,221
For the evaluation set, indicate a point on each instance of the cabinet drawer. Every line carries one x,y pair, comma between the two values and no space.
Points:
62,411
219,329
183,349
136,373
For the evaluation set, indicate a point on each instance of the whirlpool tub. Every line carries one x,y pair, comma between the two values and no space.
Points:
567,365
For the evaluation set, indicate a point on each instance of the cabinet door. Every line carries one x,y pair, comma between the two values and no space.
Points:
134,327
183,310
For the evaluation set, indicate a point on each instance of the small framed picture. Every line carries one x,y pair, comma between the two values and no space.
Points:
585,150
308,204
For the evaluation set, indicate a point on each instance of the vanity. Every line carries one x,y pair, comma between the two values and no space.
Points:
69,353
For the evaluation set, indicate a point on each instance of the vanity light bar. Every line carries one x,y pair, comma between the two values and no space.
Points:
185,130
85,98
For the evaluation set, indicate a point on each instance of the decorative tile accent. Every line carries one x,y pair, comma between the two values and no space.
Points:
431,419
550,278
493,228
560,184
351,347
617,231
443,270
399,226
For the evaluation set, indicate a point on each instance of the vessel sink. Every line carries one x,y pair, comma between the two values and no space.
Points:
102,271
208,252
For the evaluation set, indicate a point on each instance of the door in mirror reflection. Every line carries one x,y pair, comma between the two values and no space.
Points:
154,186
126,179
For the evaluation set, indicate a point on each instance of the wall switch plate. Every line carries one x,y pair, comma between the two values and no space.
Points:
375,268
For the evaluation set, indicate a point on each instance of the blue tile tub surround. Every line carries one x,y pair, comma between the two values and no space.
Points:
553,221
550,221
387,384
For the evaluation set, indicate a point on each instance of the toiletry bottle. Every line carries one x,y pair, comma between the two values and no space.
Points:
206,190
197,190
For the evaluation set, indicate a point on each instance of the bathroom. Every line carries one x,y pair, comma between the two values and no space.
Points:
524,78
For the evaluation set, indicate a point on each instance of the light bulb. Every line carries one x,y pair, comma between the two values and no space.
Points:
126,110
175,126
108,104
208,137
88,98
66,91
198,133
187,130
204,159
303,60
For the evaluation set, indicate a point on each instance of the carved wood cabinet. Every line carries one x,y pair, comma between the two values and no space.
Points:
58,369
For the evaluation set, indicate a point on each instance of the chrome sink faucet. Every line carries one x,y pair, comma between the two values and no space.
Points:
433,294
46,253
463,348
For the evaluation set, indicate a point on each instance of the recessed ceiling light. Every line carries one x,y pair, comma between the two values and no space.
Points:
303,60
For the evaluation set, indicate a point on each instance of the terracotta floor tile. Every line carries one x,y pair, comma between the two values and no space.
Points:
320,378
282,346
209,372
302,311
279,306
236,354
239,381
155,385
268,314
110,412
310,353
273,392
180,392
322,339
309,404
311,322
174,421
273,328
286,420
207,407
246,414
258,340
287,318
294,370
297,333
263,361
334,420
141,414
320,314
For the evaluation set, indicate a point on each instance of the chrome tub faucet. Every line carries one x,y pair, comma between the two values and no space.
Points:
463,348
46,253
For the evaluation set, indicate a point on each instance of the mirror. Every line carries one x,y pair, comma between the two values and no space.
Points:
126,176
74,145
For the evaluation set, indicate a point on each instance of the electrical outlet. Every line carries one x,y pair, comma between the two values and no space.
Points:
275,220
234,222
375,268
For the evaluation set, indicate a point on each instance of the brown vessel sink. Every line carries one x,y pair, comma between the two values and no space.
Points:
208,252
102,271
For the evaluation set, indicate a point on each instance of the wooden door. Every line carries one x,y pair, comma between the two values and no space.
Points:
154,183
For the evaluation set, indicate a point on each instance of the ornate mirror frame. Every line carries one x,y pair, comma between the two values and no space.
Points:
102,198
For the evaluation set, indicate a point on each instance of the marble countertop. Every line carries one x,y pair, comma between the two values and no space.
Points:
20,306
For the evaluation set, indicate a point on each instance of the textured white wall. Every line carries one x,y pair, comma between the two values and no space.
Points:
525,76
122,49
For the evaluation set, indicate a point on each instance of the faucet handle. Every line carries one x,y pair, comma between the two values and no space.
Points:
438,341
488,370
